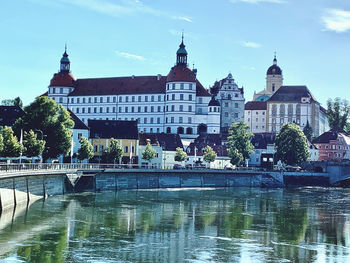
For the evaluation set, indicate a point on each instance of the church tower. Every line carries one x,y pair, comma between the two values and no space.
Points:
274,77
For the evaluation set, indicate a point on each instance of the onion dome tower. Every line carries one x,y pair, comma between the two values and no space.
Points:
180,95
274,77
62,82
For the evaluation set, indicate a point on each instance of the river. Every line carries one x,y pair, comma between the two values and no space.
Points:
182,225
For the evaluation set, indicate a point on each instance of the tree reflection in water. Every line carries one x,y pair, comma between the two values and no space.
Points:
222,225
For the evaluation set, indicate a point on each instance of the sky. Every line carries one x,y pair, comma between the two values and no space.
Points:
111,38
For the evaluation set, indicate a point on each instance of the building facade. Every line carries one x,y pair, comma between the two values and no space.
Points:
231,99
176,103
255,116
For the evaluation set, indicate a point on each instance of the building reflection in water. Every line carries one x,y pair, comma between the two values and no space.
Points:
216,225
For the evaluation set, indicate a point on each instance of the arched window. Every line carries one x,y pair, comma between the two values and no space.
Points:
180,130
274,109
189,130
298,109
168,130
290,109
229,96
202,128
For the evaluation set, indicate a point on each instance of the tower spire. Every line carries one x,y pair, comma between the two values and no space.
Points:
65,63
275,59
181,54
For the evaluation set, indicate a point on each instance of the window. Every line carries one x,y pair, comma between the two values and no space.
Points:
226,114
167,97
126,109
181,86
95,110
101,109
78,100
190,86
166,120
60,100
173,85
77,110
89,110
236,115
151,131
138,109
159,98
126,149
172,120
181,97
83,100
61,90
158,132
114,99
181,108
53,90
159,109
152,98
139,98
145,120
95,99
152,109
120,109
226,104
200,100
126,99
72,100
101,99
83,110
181,120
101,148
167,108
132,109
89,100
189,120
146,98
190,108
151,120
107,100
200,110
173,96
274,109
133,98
172,107
145,109
167,86
113,109
236,105
120,99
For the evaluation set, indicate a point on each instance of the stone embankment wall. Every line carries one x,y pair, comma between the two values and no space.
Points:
20,189
148,179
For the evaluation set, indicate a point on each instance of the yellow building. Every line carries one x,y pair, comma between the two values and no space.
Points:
126,132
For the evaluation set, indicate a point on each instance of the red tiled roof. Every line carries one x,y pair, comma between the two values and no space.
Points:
62,79
181,73
44,94
126,85
78,124
255,105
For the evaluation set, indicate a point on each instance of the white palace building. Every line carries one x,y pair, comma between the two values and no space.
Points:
176,103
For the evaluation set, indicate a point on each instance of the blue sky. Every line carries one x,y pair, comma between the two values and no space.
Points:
108,38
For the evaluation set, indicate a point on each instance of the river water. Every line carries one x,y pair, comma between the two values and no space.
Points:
182,225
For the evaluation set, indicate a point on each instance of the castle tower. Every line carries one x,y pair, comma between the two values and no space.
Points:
274,77
213,116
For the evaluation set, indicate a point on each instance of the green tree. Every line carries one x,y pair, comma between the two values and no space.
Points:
239,146
7,102
338,113
148,153
180,155
291,145
86,150
53,120
18,102
1,143
33,146
209,154
11,146
114,151
308,131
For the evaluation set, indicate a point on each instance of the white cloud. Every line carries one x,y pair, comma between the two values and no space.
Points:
250,44
184,18
259,1
337,20
129,56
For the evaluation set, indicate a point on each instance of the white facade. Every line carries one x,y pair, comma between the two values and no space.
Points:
256,120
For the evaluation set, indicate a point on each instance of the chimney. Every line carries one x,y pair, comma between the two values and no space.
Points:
158,76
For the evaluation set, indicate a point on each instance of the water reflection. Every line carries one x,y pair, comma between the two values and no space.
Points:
216,225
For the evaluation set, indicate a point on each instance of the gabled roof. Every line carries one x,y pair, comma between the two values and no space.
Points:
330,135
169,142
292,94
213,140
9,115
255,105
78,124
261,140
106,129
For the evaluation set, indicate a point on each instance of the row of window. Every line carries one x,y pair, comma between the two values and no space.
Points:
257,112
180,120
182,86
282,109
228,96
226,105
180,97
101,148
235,115
334,147
60,90
146,98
